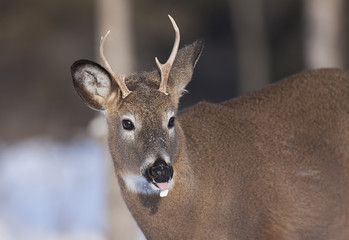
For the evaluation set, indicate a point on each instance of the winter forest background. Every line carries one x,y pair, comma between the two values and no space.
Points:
56,179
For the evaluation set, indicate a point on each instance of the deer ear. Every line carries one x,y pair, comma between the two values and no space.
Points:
93,83
183,66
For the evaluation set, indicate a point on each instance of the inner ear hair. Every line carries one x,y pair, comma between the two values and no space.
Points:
93,83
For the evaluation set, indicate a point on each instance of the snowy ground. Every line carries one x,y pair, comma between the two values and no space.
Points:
51,190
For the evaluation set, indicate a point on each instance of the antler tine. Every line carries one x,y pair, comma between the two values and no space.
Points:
165,68
120,79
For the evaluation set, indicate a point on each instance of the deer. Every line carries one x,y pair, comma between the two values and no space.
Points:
271,164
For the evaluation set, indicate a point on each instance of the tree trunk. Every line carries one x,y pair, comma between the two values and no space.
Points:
252,46
323,33
116,15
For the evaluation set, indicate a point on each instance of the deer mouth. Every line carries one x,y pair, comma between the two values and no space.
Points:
160,173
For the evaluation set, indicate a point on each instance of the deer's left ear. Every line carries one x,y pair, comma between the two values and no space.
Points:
183,67
93,83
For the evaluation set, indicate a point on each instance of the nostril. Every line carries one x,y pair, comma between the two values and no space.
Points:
155,172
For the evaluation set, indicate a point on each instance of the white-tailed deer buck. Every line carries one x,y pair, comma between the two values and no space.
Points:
273,164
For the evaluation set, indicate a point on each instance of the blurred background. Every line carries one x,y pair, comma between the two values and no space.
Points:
56,178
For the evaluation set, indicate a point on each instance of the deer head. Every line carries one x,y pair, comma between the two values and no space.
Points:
140,109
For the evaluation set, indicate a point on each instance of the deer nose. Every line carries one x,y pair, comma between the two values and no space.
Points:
160,171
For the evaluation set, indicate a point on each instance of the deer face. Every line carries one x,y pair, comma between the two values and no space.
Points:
140,111
143,139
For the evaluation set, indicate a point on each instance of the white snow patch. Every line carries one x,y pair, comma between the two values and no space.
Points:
51,190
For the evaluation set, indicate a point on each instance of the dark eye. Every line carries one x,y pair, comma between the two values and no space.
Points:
171,122
127,125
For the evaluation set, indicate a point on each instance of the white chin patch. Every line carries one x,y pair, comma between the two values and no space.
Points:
138,184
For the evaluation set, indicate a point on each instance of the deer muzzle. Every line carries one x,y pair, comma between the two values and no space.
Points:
160,173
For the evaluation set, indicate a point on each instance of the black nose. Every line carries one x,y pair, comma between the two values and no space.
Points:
160,171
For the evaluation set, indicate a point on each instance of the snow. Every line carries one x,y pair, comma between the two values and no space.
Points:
52,190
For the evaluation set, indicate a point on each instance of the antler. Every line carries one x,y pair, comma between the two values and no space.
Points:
165,68
120,79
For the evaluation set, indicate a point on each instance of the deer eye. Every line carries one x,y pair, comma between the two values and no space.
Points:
127,125
171,122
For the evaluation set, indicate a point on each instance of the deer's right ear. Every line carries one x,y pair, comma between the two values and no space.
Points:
93,83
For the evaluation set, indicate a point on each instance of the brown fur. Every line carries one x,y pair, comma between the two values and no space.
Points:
273,164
